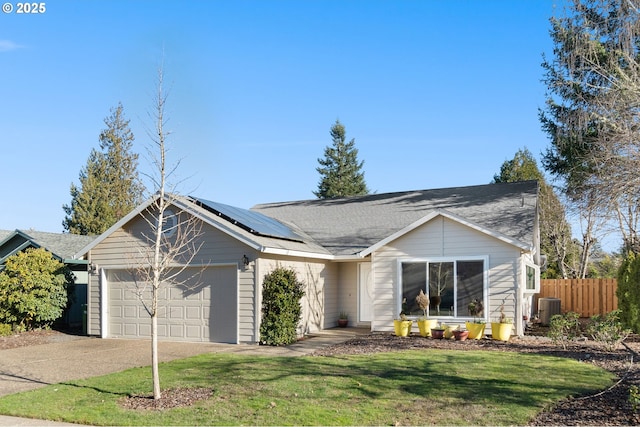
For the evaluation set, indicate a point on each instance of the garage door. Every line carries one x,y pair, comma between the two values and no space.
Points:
204,308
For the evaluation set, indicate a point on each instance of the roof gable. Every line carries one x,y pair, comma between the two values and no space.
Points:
442,213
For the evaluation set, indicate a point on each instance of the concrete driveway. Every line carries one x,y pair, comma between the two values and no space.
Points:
30,367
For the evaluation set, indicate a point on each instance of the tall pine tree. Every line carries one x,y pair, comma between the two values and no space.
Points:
341,173
555,232
109,183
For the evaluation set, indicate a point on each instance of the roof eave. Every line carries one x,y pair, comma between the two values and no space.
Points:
296,253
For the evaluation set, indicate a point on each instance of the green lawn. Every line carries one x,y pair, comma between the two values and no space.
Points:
410,387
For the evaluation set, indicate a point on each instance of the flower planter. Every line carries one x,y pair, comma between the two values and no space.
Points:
343,323
460,335
476,330
426,325
448,331
437,334
501,331
402,327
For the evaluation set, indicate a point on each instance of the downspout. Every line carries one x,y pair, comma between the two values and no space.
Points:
104,306
257,300
520,299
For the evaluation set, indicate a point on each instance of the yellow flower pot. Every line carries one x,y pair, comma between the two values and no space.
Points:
402,327
501,331
476,330
425,326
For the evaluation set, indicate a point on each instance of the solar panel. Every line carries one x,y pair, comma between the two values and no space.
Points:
253,222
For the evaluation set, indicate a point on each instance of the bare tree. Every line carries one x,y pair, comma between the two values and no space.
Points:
171,243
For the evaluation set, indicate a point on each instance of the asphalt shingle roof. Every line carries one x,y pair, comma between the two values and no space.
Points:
61,244
346,226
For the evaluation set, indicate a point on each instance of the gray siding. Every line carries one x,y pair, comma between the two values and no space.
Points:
445,238
122,250
321,292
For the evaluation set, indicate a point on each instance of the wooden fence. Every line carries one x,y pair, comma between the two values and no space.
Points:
587,297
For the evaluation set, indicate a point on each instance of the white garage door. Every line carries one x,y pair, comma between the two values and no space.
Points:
203,309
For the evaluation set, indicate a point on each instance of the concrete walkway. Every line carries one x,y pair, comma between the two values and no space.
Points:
75,357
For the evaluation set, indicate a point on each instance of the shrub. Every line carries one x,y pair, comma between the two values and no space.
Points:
281,310
607,330
33,289
564,328
634,397
628,292
5,330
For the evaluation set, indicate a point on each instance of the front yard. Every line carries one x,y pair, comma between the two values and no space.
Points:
373,380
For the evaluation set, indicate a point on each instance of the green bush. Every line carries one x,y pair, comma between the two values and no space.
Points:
33,289
607,330
629,292
281,309
634,397
5,330
564,328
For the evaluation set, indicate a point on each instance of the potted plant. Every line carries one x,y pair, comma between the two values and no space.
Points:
437,332
449,330
475,328
402,326
343,319
424,324
460,334
501,330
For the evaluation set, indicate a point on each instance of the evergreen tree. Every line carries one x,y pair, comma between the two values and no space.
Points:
341,173
109,183
591,115
555,232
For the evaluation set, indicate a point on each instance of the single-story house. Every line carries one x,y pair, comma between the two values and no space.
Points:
363,255
63,247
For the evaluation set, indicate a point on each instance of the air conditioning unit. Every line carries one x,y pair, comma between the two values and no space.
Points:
548,307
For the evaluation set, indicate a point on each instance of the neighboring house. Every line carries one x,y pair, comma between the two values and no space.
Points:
363,255
63,247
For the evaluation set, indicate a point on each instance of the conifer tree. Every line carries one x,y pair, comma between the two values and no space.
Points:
109,183
341,172
555,232
591,114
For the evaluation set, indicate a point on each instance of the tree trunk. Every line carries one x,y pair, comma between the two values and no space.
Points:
154,357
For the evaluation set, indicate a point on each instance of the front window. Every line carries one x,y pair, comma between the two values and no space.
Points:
450,284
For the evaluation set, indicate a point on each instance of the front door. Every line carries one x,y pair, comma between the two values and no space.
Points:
365,292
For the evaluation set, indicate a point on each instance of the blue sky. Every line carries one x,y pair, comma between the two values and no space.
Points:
435,93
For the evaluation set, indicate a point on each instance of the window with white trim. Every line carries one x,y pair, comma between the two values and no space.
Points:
531,278
451,285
